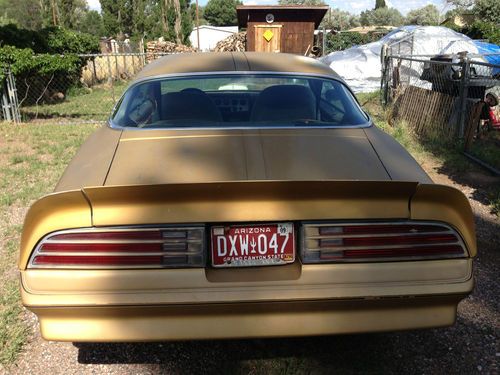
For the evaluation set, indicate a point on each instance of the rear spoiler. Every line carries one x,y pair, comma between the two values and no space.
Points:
246,201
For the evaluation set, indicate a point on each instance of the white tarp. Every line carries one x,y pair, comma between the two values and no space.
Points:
360,65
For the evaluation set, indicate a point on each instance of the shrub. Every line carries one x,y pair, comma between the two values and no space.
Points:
344,40
33,73
44,62
53,40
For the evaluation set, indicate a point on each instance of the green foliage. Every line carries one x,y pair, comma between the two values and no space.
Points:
344,40
302,2
487,11
37,58
222,12
381,17
92,24
380,4
483,30
25,13
461,4
337,19
426,16
53,40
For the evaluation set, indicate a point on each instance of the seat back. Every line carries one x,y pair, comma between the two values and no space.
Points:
284,102
188,105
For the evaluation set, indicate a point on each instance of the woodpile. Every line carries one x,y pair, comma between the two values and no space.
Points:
156,48
233,43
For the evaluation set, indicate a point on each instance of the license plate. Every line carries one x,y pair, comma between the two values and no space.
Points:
252,245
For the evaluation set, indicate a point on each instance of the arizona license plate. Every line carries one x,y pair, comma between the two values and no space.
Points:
253,245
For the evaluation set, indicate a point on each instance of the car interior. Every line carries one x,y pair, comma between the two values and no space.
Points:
315,103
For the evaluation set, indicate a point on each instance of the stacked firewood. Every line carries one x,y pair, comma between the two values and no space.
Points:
233,43
158,47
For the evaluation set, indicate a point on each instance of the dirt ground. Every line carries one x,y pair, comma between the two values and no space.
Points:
470,346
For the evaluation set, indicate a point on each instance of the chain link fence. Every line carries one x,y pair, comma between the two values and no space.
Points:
444,97
87,96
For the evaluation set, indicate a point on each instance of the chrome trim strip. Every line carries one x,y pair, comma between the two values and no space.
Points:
380,247
445,226
116,253
174,227
99,241
339,236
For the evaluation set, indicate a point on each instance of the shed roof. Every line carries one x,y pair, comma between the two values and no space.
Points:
234,61
306,13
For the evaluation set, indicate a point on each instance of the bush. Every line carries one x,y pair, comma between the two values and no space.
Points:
484,30
44,62
44,78
54,40
344,40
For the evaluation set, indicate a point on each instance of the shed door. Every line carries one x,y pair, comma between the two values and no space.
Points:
267,38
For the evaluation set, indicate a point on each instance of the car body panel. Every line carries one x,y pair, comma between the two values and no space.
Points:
45,288
247,202
145,178
231,155
245,320
189,63
91,164
397,161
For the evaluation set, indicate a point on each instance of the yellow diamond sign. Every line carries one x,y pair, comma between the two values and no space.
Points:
268,35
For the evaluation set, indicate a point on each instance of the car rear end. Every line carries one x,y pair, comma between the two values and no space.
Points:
246,259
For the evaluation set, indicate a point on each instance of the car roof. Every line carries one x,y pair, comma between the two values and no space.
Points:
208,62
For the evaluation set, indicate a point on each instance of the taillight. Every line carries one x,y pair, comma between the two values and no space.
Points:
368,242
122,248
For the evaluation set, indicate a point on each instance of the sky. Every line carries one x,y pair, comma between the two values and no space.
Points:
352,6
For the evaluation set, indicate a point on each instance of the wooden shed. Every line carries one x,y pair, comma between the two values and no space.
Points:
274,28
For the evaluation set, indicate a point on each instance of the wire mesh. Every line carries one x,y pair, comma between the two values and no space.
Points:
446,97
86,96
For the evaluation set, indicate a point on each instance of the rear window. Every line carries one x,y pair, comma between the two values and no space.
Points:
238,100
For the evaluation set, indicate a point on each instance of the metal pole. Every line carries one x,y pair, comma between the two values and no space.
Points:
323,42
110,79
464,91
197,26
94,75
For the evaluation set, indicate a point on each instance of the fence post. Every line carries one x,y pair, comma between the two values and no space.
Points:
117,68
10,104
94,76
464,91
125,65
110,79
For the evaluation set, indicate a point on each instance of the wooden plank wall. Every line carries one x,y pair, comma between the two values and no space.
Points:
295,36
426,112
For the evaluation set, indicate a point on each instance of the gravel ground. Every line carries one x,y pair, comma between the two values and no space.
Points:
471,346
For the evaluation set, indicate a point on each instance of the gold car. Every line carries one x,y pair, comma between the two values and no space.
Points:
243,195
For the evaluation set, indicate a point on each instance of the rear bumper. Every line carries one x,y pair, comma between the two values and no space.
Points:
293,300
247,320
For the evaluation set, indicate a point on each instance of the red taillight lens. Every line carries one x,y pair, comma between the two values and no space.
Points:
122,248
379,241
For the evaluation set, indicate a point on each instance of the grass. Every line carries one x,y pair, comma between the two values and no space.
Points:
487,148
447,152
32,159
93,104
34,156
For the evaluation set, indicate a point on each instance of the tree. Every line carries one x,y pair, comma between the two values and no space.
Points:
381,17
201,14
487,10
92,24
26,14
461,4
302,2
337,19
380,4
426,16
221,12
